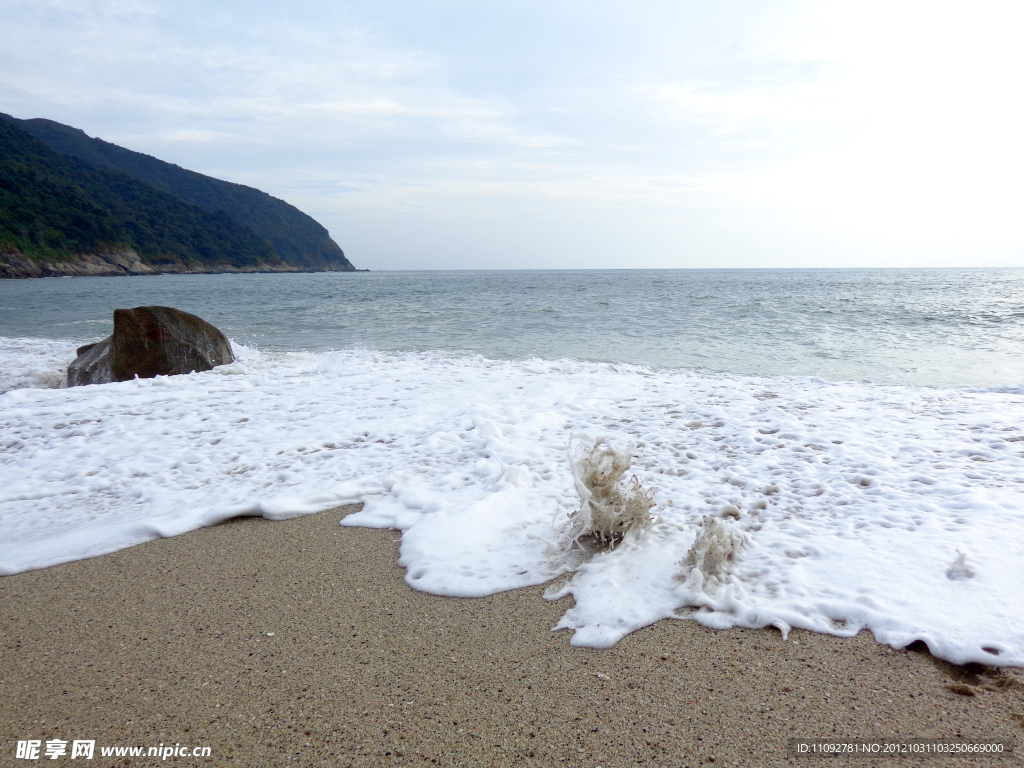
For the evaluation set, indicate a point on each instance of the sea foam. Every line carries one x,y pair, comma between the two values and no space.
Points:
34,363
793,502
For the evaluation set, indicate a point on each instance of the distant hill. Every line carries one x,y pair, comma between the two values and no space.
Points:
53,206
297,238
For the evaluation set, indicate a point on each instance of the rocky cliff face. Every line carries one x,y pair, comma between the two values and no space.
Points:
125,262
120,263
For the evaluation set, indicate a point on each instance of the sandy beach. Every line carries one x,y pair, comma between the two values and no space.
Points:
298,642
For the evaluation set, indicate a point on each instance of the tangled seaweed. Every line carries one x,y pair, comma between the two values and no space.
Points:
714,550
610,508
959,569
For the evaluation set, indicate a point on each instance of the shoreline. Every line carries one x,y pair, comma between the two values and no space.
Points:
126,263
299,641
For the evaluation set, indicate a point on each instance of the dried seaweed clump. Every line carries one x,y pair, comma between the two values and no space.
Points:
960,569
715,549
610,508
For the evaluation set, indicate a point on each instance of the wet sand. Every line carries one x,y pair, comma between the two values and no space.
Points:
299,643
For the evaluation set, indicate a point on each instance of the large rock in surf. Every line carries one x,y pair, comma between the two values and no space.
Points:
148,342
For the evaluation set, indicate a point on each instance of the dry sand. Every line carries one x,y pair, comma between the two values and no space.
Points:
171,642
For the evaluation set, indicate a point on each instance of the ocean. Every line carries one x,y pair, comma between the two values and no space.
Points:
834,450
937,328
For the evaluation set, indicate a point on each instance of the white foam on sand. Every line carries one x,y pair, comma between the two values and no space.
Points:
842,506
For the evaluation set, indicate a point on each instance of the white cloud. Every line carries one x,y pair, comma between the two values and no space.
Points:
191,135
771,134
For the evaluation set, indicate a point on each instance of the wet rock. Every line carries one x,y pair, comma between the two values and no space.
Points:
92,366
110,264
149,342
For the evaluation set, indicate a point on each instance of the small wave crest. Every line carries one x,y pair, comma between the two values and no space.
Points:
34,363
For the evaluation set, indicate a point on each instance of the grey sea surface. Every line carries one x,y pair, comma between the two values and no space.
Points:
936,327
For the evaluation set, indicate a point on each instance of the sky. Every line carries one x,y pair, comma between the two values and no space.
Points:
448,134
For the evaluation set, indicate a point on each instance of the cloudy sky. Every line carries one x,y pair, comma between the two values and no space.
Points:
448,134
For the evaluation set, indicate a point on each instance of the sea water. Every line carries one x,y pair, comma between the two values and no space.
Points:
861,432
918,327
